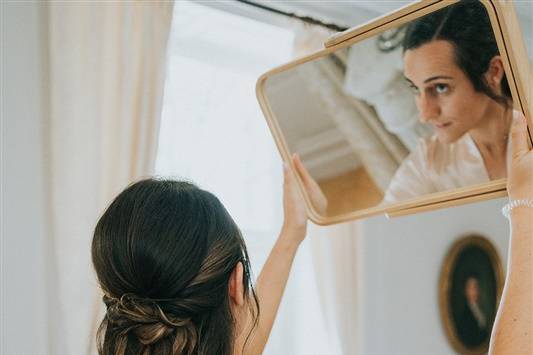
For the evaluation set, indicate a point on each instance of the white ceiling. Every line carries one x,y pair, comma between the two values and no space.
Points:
351,13
342,13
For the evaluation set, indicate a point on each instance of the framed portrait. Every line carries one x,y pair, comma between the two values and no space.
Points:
470,287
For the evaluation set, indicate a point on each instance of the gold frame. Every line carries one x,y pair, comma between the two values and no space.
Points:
445,289
510,43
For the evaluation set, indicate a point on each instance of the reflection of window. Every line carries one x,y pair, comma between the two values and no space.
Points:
213,133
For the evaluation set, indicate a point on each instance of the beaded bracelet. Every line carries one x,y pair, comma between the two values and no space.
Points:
506,210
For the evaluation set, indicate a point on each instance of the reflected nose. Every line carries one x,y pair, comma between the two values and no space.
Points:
428,108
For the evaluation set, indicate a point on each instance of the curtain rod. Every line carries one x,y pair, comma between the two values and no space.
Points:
306,19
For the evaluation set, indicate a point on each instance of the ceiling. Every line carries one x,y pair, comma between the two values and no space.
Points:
350,13
346,13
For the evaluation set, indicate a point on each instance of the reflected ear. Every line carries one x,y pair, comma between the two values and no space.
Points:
495,72
236,284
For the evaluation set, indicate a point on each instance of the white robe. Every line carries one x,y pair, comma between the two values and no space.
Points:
435,166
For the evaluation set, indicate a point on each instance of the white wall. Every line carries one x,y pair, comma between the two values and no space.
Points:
23,217
399,263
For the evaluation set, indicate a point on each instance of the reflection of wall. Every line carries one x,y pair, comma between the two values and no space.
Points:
316,118
308,127
399,262
326,154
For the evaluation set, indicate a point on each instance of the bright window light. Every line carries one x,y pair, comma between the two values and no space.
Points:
214,134
212,129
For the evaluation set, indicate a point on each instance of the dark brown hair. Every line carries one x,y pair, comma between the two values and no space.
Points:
466,25
163,252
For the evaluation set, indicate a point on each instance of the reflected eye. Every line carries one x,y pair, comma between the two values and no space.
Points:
414,89
441,88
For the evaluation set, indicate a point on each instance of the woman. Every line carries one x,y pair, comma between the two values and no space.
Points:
176,278
175,274
452,64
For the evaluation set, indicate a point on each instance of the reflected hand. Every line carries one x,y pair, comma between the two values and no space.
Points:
318,199
295,215
520,175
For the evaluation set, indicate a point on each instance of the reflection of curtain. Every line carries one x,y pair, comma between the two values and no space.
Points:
333,248
324,81
377,78
107,65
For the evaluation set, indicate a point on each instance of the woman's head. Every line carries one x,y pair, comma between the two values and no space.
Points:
174,270
452,62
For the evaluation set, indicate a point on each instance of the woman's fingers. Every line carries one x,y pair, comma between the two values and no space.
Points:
519,136
315,193
302,171
293,203
520,176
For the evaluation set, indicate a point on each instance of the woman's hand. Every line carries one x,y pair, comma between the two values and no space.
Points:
520,175
293,202
318,199
273,277
295,215
513,326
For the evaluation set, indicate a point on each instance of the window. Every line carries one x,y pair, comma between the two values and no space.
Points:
214,134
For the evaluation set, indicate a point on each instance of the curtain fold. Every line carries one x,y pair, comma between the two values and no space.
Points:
107,69
333,248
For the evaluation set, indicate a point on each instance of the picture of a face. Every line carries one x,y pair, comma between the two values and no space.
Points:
444,95
472,323
472,290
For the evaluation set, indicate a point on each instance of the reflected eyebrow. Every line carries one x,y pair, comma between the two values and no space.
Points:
429,79
436,78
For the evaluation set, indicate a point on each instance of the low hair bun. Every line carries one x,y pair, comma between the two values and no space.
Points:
146,320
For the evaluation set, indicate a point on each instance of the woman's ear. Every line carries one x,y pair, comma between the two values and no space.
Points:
236,284
495,72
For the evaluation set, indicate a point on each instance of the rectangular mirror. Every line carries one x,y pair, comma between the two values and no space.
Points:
408,112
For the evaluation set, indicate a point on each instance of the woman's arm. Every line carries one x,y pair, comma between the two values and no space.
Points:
273,277
513,328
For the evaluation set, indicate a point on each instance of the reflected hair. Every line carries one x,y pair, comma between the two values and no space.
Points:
164,252
466,25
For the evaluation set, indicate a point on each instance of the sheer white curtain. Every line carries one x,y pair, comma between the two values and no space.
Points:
333,248
213,133
106,62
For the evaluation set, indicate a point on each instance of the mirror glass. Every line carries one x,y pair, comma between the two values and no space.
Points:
411,111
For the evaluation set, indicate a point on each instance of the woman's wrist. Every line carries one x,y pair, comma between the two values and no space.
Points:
521,215
515,204
292,235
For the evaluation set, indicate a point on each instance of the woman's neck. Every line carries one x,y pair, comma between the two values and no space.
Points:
491,135
491,138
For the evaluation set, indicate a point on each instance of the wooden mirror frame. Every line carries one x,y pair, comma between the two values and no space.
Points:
517,68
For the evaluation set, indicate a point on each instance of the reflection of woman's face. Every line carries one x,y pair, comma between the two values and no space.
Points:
444,95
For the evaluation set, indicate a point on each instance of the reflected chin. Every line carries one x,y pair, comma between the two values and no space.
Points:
447,138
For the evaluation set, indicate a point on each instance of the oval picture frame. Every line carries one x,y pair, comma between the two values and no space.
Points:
471,262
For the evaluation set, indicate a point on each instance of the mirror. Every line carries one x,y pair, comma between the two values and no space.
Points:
417,111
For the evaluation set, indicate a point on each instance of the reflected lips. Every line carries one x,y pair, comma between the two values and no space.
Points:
442,125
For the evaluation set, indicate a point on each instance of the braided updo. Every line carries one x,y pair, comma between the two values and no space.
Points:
163,252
